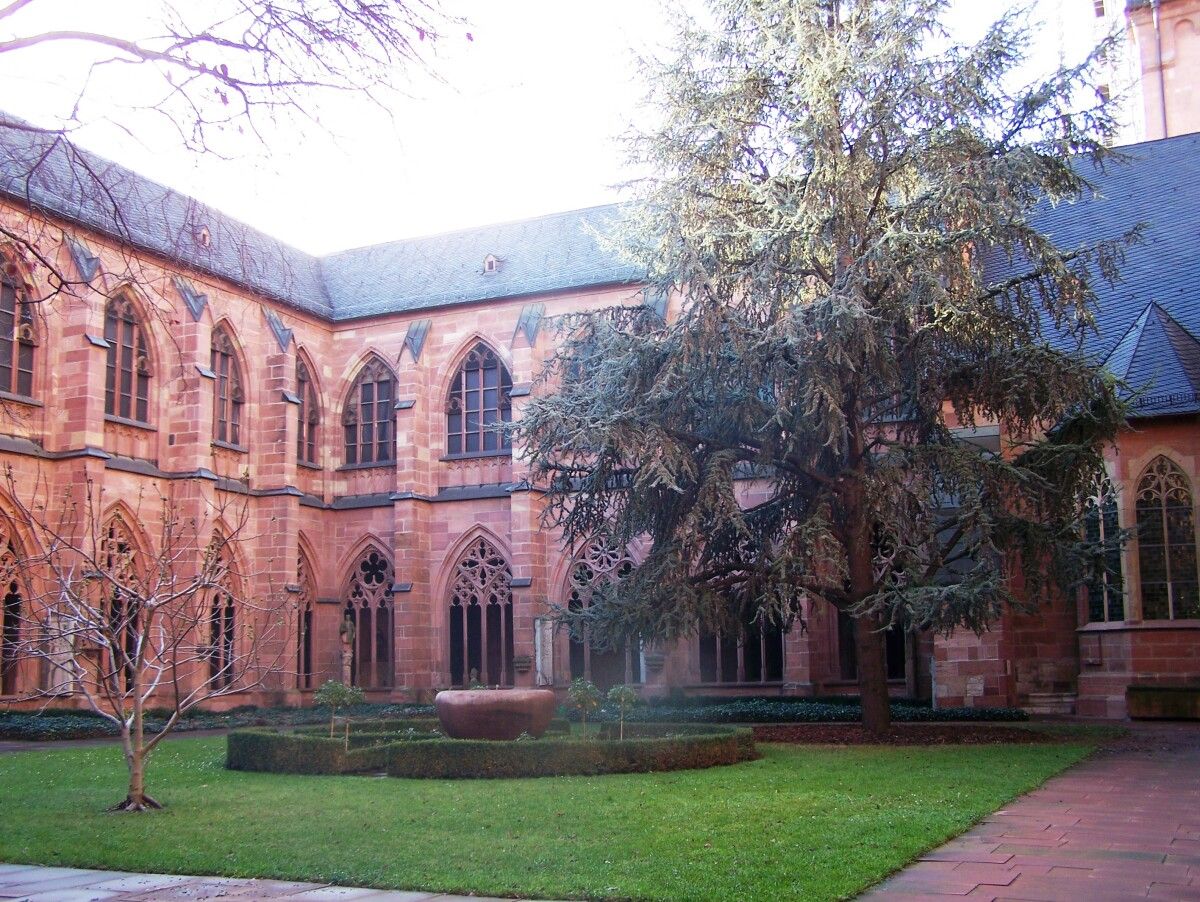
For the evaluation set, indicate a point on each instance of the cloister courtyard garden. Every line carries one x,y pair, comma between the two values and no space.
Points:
802,821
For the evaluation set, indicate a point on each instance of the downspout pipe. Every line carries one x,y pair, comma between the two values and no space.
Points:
1155,6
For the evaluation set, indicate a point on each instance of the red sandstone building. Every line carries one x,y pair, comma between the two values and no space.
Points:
347,402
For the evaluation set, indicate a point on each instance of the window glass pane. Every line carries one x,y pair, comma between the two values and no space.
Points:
1149,522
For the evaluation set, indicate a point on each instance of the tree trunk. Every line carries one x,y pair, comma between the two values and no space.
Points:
868,640
872,676
136,798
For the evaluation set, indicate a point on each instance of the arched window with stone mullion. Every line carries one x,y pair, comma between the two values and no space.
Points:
127,374
308,415
1166,543
369,612
228,392
369,417
479,405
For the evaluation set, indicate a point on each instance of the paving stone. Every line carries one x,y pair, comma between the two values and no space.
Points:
334,892
1121,825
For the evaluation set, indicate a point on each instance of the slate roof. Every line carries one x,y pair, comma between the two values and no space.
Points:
548,253
50,174
1147,323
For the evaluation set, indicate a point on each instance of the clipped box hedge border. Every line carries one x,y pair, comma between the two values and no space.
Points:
647,747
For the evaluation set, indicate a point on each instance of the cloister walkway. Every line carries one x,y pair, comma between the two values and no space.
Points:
1125,824
38,884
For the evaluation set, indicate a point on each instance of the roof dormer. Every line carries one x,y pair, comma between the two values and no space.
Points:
491,264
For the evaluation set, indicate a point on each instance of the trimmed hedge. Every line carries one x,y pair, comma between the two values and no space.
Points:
656,747
293,753
772,710
72,723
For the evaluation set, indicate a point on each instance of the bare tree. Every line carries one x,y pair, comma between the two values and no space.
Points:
213,73
126,625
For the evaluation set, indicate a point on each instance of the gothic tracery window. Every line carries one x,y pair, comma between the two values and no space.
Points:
17,339
369,417
481,618
309,416
11,614
369,610
222,620
228,392
1166,543
305,604
610,666
1106,590
124,615
479,405
127,375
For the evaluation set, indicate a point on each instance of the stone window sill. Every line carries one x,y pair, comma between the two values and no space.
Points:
1135,625
227,446
373,465
124,421
20,399
305,465
477,455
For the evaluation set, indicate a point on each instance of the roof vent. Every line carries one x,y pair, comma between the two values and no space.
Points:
491,263
203,236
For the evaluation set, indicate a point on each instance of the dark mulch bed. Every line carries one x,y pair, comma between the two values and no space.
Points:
904,734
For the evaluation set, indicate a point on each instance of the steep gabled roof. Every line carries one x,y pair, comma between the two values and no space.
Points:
548,253
51,175
1161,359
1146,323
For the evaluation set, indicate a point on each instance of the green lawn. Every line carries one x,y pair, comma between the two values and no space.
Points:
803,822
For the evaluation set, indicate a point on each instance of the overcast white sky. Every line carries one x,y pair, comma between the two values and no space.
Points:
524,123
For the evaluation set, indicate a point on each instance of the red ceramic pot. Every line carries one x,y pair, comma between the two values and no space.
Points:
494,713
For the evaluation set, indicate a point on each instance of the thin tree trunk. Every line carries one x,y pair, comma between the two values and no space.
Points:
136,798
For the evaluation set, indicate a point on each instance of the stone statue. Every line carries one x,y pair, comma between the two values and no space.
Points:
346,634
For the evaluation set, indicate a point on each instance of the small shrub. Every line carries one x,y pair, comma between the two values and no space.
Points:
334,695
624,697
584,697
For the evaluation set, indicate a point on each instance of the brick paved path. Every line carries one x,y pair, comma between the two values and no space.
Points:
1125,824
19,881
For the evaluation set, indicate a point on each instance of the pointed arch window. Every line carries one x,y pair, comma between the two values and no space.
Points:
127,377
222,620
229,394
481,618
17,339
309,416
479,405
11,615
369,418
124,610
621,664
369,612
1102,532
305,605
1166,543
